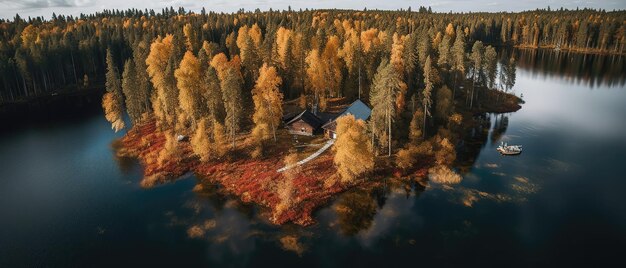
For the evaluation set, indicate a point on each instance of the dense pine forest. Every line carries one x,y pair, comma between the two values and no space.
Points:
65,53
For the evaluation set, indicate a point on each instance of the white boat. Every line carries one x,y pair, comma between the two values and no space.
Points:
181,138
506,149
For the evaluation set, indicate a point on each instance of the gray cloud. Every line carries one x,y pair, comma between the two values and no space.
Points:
36,4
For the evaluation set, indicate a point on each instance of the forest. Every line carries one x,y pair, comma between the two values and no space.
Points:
225,81
66,53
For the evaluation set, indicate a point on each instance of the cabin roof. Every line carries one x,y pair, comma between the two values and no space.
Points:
289,116
358,109
308,117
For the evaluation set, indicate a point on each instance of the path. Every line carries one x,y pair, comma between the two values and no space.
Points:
310,157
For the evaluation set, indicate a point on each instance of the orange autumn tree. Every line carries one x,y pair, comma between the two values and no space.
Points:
318,77
332,63
324,71
268,100
283,37
163,103
188,80
353,156
113,111
350,49
397,61
285,187
201,141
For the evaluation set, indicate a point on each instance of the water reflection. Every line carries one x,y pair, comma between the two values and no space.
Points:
499,128
473,141
583,69
355,210
229,232
126,164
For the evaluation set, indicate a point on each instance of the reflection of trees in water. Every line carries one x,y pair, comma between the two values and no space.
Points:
476,136
355,211
588,69
125,164
499,127
218,199
211,192
380,195
474,139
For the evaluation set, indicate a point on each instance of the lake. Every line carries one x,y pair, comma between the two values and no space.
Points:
67,201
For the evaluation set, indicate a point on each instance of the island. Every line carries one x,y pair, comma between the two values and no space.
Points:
287,118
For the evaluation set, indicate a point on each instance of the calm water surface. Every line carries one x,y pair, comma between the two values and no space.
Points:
66,201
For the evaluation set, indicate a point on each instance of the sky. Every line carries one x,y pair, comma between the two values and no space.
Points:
45,8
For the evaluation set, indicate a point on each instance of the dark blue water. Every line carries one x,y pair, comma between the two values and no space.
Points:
66,201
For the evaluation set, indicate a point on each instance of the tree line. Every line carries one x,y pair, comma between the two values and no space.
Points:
342,48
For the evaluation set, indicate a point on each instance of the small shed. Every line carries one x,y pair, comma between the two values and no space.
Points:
305,123
358,109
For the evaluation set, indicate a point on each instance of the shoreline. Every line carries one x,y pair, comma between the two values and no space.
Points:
588,51
251,180
255,180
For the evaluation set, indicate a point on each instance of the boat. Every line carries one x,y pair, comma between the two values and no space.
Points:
506,149
181,138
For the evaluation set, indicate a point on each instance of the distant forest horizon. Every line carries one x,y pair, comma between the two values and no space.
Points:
421,9
67,53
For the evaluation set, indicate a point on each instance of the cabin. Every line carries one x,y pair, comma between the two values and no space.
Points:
305,123
358,109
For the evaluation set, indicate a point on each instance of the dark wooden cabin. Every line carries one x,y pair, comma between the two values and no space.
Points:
305,123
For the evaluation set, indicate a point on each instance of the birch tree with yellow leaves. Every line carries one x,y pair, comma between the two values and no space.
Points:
317,74
165,101
352,155
268,100
188,80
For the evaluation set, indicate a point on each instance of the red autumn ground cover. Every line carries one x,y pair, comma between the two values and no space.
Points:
252,180
255,180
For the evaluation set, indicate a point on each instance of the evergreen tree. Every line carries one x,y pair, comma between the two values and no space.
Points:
140,53
130,86
444,107
112,101
385,88
231,95
427,92
491,66
213,95
444,53
477,58
458,57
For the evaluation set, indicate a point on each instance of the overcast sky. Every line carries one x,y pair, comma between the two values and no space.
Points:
8,8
